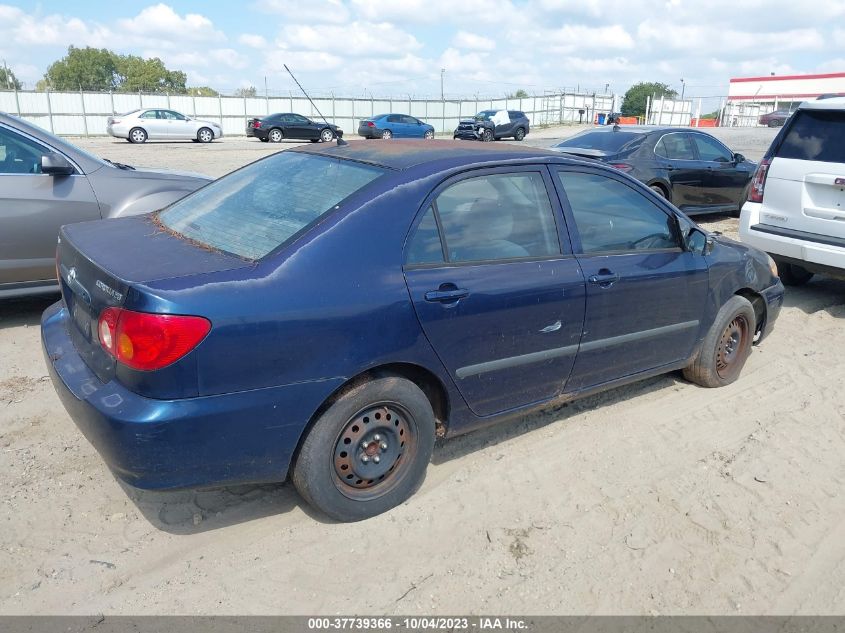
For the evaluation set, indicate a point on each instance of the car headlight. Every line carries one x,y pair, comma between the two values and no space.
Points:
773,266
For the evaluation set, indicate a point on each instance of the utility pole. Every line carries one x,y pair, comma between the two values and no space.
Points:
442,72
606,86
683,87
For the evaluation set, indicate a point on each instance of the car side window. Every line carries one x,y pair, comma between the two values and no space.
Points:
19,155
409,120
612,217
498,216
394,118
710,149
149,114
425,246
675,146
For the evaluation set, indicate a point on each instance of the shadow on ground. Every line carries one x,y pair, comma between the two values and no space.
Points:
25,311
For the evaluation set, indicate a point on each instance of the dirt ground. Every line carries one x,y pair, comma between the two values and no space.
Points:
660,497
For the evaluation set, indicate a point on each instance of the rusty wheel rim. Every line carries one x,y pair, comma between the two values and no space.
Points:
373,451
731,349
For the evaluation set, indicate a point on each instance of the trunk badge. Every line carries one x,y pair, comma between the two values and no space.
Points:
108,290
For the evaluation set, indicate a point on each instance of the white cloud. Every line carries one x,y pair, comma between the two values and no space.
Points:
253,41
160,21
356,39
471,41
440,11
572,38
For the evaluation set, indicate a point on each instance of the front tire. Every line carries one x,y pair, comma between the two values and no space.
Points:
793,275
429,134
726,346
137,135
487,136
326,135
368,452
205,135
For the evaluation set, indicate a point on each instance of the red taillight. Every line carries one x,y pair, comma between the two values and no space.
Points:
758,181
622,166
256,124
149,341
370,124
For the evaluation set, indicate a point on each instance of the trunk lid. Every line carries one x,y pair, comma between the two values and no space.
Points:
105,263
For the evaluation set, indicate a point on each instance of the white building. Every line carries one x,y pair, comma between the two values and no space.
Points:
749,97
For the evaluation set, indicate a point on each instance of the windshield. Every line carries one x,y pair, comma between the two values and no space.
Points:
603,141
485,115
254,210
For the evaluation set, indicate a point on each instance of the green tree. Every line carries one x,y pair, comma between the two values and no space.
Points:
519,94
84,69
8,81
202,91
148,75
634,102
246,92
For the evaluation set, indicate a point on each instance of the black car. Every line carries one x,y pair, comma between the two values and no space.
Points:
276,127
690,168
489,125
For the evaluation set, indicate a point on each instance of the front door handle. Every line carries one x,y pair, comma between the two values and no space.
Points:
445,296
604,278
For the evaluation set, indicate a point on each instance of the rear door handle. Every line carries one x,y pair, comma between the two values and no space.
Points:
604,278
444,296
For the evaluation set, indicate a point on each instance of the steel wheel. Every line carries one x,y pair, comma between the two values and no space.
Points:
326,135
275,135
732,345
369,453
137,135
429,134
205,135
387,135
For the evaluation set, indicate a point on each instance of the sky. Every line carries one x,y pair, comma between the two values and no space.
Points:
398,47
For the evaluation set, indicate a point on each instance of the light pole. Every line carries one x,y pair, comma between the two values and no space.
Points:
683,87
442,72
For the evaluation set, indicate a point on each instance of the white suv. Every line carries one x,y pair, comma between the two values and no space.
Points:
796,203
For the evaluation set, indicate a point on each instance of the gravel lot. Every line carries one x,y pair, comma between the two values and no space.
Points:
659,497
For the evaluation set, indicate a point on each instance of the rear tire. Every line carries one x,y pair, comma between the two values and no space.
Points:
726,346
275,135
659,191
387,135
793,275
519,134
137,135
264,140
383,429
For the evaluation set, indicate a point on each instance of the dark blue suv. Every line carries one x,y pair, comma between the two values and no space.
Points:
325,313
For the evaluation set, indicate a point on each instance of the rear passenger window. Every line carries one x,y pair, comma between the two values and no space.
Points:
815,135
612,217
425,247
675,147
499,216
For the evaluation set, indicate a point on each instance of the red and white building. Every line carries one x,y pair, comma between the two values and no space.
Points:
749,97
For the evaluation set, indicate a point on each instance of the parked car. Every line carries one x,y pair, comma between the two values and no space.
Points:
692,169
389,126
277,127
774,119
46,182
494,281
490,125
157,124
796,203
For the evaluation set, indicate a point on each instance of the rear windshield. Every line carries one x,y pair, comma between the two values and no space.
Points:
604,141
254,210
815,135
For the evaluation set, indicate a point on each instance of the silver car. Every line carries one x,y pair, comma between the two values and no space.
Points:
46,182
162,125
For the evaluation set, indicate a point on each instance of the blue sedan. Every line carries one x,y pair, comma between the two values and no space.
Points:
388,126
326,312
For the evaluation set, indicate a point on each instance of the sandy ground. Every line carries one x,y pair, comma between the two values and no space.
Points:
660,497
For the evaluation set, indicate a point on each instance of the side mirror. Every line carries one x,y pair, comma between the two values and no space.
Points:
739,158
56,165
697,241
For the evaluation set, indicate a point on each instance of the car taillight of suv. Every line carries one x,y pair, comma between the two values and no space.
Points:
758,182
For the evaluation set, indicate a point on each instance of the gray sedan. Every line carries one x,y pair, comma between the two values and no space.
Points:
46,182
162,125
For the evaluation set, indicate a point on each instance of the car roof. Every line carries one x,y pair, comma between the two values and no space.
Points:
834,103
403,154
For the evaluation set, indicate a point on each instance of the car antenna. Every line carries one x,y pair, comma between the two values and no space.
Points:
339,140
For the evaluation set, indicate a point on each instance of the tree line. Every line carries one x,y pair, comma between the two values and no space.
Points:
101,70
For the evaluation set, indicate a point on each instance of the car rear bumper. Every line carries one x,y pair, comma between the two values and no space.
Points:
369,132
819,253
241,437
